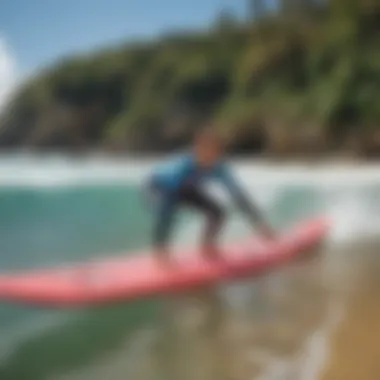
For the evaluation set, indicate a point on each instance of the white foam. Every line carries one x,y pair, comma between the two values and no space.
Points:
342,189
29,170
352,217
315,352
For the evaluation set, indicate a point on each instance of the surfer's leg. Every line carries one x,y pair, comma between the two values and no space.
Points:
163,208
214,213
164,225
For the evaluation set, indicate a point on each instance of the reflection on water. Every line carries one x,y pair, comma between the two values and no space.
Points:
206,336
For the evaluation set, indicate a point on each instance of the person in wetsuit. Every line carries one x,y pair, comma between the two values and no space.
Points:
179,182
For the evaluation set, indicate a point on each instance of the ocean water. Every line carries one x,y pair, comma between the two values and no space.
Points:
56,210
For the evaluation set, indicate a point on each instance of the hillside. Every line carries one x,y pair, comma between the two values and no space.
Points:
288,84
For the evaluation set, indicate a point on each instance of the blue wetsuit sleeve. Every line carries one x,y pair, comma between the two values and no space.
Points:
240,197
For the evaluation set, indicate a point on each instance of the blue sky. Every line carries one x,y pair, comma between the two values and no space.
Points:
39,32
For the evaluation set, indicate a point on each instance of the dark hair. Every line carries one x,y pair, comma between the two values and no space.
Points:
210,131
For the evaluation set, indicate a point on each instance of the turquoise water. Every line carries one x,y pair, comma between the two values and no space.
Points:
48,226
42,227
54,211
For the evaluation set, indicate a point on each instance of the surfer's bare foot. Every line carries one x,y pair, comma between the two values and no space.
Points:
211,252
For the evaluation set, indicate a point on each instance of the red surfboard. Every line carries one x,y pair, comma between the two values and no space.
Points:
134,277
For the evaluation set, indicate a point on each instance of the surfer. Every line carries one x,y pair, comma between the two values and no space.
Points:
178,183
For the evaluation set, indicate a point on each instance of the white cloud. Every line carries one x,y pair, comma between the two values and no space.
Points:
8,72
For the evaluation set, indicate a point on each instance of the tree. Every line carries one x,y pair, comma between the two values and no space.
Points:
226,20
257,9
297,7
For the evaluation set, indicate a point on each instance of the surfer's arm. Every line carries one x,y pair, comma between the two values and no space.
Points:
245,204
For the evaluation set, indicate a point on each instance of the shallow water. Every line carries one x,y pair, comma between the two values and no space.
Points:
301,322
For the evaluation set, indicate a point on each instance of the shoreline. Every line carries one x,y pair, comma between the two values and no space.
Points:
257,160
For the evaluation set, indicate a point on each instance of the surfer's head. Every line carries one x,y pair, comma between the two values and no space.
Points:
208,146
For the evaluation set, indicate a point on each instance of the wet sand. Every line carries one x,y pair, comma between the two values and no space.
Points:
355,346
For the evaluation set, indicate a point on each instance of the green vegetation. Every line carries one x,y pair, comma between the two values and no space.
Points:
305,78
